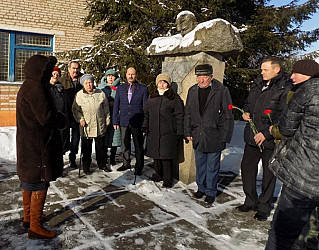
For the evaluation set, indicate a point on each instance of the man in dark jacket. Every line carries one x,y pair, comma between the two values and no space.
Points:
128,115
209,125
296,160
268,93
71,84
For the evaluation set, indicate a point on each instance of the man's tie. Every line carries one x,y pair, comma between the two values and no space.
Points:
129,94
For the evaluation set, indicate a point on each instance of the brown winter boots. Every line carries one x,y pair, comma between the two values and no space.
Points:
36,230
26,200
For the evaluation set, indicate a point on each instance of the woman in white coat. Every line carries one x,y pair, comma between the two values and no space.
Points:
91,109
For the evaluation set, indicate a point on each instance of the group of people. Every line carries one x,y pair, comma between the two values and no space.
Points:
114,113
286,116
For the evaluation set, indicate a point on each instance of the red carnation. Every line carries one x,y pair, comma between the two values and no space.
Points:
267,111
113,88
231,106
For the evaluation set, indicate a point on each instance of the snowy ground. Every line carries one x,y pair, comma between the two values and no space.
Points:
106,211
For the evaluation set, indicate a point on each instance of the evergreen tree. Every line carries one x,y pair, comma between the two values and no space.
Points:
269,32
128,27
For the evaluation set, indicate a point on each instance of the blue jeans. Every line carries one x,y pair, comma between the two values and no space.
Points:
207,170
292,214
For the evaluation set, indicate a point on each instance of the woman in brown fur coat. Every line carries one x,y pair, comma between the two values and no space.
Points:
39,146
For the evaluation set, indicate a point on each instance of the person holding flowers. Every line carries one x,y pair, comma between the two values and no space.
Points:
295,162
268,92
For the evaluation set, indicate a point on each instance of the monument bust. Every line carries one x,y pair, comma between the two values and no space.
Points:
216,35
185,22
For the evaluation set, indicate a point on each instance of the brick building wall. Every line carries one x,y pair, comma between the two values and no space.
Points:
8,94
63,19
60,18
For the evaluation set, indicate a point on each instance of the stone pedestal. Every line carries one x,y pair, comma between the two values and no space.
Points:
182,71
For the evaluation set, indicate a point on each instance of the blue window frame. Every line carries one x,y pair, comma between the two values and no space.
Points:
16,48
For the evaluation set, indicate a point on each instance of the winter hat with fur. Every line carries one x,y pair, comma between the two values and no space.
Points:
163,77
306,67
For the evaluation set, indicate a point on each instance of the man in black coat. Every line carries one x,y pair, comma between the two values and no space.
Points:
209,125
296,160
71,84
268,93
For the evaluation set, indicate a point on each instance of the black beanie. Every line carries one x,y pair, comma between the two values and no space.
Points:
306,67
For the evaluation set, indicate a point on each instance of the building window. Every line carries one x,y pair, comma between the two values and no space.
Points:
4,58
16,48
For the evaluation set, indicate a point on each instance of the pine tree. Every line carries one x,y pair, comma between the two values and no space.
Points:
269,32
128,27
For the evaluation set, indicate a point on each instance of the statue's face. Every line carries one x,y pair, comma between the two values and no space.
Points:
185,24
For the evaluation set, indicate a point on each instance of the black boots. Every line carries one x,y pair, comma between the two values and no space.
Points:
86,167
112,156
199,194
105,168
73,164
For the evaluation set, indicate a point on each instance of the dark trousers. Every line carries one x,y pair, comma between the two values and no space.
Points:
113,153
100,151
249,170
75,139
308,239
164,169
291,215
136,133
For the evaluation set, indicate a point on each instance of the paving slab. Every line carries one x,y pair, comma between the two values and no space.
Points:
106,211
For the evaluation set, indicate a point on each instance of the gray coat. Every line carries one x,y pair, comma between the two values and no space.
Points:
214,129
296,159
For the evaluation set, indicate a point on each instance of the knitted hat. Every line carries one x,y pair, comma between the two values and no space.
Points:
163,77
306,67
57,69
111,72
203,69
86,77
